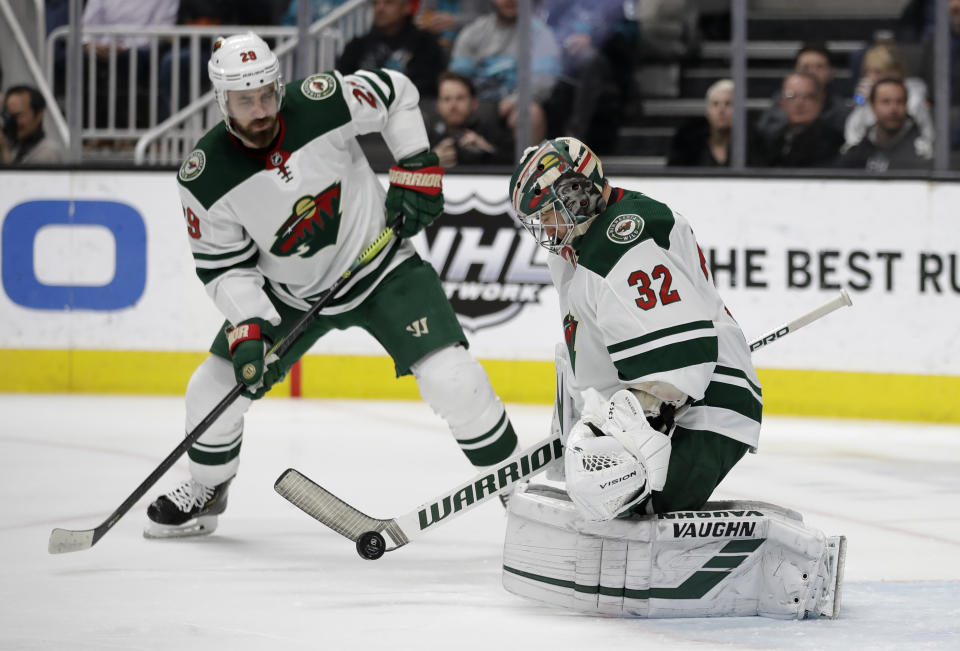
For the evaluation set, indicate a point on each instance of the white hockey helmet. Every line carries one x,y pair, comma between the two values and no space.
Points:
243,62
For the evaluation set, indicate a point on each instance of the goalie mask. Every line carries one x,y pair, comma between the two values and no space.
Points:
243,62
557,191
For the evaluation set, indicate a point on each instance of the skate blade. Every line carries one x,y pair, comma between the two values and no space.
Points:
202,526
837,549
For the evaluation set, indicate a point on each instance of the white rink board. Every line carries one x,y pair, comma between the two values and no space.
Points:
870,237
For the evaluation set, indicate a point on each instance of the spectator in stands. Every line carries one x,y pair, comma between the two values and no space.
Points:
458,134
23,141
144,13
586,99
318,9
812,59
445,18
881,61
705,141
916,21
894,141
953,58
805,140
395,43
486,52
202,13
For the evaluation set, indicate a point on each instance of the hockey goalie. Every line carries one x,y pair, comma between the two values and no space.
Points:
657,400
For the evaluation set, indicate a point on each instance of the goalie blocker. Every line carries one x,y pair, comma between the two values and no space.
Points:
729,559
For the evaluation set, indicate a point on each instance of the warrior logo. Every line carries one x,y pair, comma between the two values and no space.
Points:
490,268
570,336
313,225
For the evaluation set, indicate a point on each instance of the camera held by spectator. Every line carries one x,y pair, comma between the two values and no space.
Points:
23,141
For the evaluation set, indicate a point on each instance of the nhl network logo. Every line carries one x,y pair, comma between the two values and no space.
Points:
490,267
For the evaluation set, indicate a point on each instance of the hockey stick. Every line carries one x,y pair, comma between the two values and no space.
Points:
68,540
842,299
367,532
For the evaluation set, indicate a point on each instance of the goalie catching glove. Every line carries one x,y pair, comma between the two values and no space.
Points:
249,343
416,192
613,458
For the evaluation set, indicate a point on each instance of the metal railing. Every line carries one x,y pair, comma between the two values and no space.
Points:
140,85
34,66
130,66
168,142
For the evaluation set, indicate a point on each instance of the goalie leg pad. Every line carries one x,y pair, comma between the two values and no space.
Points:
746,559
214,458
565,412
458,390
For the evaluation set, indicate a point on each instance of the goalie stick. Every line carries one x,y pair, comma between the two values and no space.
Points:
69,540
368,532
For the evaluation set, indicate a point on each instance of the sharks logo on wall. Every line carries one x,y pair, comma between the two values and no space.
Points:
490,267
312,225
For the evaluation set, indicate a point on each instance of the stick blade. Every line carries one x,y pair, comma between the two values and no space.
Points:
63,541
325,507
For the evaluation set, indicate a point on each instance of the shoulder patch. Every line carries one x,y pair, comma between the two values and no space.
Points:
625,228
320,86
193,165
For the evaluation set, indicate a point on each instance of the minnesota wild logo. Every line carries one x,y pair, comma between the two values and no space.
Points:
318,86
570,336
313,224
625,229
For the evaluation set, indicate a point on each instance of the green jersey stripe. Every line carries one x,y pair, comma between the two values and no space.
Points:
732,397
658,334
735,372
209,275
375,86
224,256
388,82
670,357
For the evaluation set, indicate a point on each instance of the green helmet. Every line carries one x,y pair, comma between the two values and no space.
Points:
557,190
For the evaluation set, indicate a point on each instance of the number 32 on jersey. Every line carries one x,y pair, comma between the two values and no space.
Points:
644,282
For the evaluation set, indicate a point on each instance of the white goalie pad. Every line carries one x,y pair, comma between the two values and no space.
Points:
731,559
564,407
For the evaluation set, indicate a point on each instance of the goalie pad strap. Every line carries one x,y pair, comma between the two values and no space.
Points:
427,180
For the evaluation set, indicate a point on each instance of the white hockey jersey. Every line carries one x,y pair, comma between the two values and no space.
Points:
639,308
297,216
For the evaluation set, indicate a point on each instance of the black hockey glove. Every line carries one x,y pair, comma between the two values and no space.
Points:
249,343
416,192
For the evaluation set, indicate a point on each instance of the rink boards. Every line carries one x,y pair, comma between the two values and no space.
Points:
100,295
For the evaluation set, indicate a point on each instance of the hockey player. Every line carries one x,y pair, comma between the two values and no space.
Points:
667,402
279,200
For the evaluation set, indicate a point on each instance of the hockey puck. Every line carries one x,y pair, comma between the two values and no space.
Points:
371,545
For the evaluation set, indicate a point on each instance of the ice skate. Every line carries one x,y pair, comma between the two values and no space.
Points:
191,509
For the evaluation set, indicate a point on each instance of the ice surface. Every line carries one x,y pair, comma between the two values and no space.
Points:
271,578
